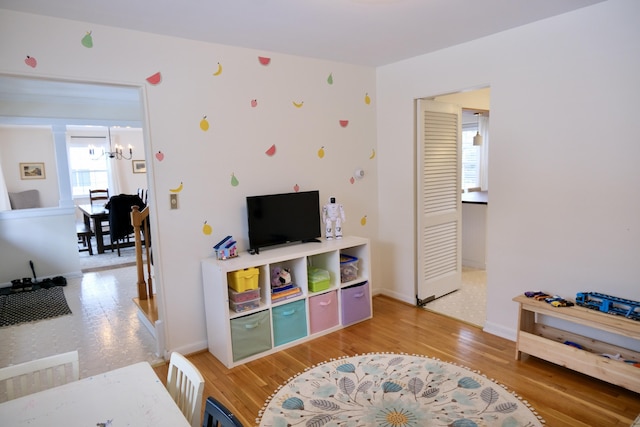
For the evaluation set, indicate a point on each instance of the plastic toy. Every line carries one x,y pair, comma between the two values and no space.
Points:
226,248
332,213
609,304
280,277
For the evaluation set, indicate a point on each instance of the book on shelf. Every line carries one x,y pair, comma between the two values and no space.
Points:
286,294
283,288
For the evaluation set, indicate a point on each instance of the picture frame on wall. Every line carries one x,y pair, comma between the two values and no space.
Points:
139,166
32,170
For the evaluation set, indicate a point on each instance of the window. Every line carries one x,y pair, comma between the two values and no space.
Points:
470,157
85,172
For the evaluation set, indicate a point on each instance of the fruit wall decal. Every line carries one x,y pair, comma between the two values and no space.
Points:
373,153
264,60
296,188
344,123
87,40
31,61
298,104
154,79
234,180
254,103
204,123
160,156
219,70
321,152
206,229
271,151
330,79
367,99
363,220
352,180
177,189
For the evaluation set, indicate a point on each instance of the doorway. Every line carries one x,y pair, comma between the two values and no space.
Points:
468,303
64,103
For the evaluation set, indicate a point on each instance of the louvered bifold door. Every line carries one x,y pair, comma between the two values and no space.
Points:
438,200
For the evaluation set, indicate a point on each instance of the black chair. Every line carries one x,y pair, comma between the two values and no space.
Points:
120,227
216,415
100,197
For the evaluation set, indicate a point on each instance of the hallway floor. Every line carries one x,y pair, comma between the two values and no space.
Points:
469,303
104,326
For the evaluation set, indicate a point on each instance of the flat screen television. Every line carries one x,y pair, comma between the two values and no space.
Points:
277,219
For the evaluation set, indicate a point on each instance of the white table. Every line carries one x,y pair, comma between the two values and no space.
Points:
129,396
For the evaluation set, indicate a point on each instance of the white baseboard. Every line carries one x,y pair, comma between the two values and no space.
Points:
495,329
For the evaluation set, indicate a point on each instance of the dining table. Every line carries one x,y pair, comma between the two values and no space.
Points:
96,214
129,396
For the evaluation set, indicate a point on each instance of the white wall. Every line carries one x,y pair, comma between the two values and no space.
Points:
28,145
563,156
35,235
235,143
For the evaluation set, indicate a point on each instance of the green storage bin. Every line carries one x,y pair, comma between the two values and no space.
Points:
318,279
250,335
289,322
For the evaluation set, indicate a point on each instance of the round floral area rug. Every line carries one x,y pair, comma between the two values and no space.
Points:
394,390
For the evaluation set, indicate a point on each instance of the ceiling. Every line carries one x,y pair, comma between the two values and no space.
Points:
362,32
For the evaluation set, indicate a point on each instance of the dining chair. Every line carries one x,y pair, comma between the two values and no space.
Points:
84,237
100,196
120,226
217,415
40,374
186,386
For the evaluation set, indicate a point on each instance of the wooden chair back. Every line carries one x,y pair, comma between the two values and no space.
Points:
186,386
100,196
41,374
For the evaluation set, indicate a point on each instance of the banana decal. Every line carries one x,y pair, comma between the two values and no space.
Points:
177,189
219,70
298,104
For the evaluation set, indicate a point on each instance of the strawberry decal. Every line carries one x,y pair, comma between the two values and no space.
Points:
31,61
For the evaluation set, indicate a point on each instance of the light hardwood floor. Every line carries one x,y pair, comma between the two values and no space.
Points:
561,396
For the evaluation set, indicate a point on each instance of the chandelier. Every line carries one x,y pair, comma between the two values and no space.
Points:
116,153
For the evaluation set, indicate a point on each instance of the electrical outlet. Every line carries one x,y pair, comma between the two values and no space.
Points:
173,201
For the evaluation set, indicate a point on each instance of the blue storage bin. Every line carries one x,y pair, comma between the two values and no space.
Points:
289,322
250,335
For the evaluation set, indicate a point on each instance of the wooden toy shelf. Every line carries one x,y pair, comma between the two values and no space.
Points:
547,342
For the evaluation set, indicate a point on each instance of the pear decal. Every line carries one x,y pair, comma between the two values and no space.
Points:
330,79
206,229
87,40
204,124
321,152
234,180
367,99
363,220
